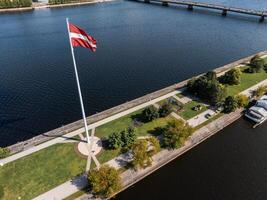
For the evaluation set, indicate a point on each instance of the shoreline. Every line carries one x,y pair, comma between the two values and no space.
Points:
44,137
35,6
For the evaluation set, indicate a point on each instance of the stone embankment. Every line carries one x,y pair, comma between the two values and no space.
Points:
117,109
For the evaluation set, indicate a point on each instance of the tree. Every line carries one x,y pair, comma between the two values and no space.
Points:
256,64
230,104
207,87
124,138
4,152
231,77
165,110
176,134
128,137
260,91
150,113
242,100
114,141
104,181
142,152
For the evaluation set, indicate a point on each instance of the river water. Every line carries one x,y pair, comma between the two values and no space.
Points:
141,48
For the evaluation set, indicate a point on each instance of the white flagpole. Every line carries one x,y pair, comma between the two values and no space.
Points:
78,84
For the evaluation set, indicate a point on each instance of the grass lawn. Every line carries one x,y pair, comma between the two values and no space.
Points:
33,175
116,125
247,81
126,121
187,112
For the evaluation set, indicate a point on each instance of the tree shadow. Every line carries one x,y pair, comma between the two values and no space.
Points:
157,131
139,118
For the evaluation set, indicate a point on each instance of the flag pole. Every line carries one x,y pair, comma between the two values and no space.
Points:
78,84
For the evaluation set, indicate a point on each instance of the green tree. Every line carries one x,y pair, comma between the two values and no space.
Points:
176,134
124,138
128,137
142,152
242,100
4,152
256,64
231,77
165,110
260,91
230,104
150,113
104,181
207,87
114,141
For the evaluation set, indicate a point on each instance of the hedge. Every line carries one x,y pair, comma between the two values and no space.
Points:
66,1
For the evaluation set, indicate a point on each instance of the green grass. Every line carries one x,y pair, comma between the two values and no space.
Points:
115,125
247,80
126,121
33,175
107,154
187,112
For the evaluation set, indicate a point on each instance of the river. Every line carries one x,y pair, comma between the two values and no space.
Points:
141,48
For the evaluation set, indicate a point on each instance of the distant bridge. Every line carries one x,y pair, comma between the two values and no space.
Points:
190,5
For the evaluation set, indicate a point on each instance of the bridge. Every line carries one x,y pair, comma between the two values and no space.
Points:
225,9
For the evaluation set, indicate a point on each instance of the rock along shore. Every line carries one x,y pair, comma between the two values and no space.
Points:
117,109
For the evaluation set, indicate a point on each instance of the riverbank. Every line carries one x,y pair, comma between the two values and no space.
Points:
43,6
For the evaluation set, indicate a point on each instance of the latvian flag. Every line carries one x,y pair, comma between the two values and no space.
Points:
80,38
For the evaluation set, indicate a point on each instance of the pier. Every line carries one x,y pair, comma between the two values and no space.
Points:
224,9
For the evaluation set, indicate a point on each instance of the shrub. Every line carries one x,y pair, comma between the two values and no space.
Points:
176,134
230,104
4,152
231,77
150,113
242,100
142,152
207,87
256,64
165,110
260,91
104,181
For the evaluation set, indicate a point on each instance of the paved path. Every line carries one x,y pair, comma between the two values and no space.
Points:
81,130
249,91
200,118
183,100
177,116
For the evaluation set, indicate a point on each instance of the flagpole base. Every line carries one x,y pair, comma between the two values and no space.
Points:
83,147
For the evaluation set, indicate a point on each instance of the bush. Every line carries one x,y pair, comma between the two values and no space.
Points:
4,152
231,77
165,110
208,88
15,3
256,64
176,134
230,104
242,100
142,152
122,139
150,113
104,181
260,91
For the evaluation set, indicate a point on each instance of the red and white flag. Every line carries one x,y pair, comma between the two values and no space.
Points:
80,38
